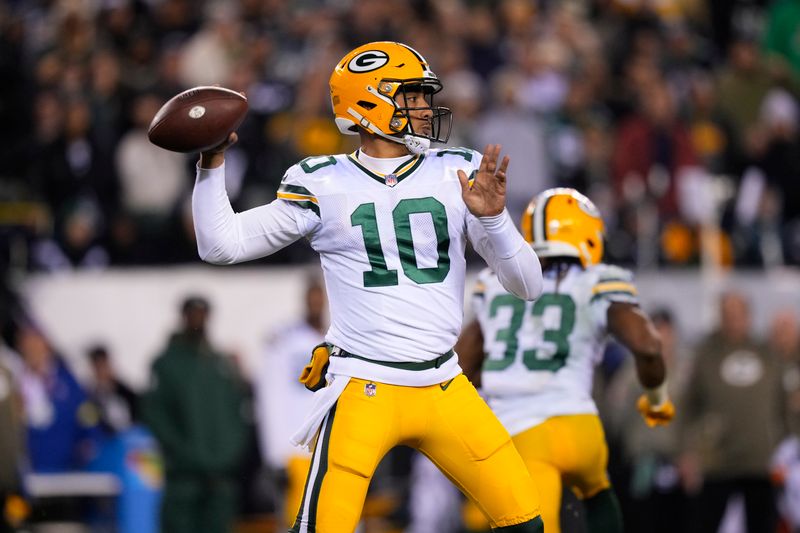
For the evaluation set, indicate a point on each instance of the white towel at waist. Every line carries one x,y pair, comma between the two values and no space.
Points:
323,401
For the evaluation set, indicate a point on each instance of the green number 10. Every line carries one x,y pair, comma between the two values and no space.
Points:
380,275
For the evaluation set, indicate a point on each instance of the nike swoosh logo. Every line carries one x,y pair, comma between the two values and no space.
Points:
444,386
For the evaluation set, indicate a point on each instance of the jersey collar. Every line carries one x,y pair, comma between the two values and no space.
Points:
393,178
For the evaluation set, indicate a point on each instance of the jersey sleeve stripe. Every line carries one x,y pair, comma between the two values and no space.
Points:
616,296
295,189
304,203
611,279
297,197
466,153
613,286
480,289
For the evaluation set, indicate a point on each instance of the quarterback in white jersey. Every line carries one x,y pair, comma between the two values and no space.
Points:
535,360
391,222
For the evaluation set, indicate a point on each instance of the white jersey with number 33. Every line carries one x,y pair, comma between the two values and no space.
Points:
540,355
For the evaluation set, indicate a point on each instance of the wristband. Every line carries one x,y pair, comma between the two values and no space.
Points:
657,396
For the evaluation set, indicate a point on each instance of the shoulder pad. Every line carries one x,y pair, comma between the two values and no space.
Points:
613,283
297,185
311,169
606,272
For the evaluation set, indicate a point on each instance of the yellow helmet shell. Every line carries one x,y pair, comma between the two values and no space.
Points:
365,82
562,222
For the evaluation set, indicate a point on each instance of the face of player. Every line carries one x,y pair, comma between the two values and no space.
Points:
419,110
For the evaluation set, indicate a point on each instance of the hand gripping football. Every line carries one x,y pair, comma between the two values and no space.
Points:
198,119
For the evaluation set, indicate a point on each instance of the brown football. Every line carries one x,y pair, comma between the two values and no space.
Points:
197,119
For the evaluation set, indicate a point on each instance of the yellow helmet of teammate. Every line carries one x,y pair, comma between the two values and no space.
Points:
561,222
363,89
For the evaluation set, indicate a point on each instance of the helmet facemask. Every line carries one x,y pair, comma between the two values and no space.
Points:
441,118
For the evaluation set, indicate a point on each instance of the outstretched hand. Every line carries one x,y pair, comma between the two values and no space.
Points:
655,415
486,195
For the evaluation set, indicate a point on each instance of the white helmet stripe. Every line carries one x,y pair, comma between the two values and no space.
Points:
539,234
372,128
373,91
419,56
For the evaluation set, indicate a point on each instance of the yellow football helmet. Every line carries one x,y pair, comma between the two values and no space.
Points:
363,89
561,222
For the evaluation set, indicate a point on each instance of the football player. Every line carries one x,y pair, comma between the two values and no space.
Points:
535,360
282,400
390,222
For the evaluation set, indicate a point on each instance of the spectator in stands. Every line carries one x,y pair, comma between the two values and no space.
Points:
742,85
75,166
115,402
522,135
76,244
784,340
195,409
711,132
108,100
652,154
153,180
780,162
210,53
79,65
464,97
781,40
734,418
578,159
60,421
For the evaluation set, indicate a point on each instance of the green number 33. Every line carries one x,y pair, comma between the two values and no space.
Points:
559,337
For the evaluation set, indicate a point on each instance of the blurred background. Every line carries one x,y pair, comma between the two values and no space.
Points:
680,119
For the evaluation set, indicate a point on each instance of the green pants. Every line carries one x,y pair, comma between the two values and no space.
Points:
192,504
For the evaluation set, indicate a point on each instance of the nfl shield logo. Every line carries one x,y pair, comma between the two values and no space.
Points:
370,389
391,180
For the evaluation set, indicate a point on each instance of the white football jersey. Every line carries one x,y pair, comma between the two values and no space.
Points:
282,399
540,355
392,252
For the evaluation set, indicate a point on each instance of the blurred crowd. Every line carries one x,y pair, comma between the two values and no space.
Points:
679,118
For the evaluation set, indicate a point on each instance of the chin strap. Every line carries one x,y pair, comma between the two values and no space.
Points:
416,145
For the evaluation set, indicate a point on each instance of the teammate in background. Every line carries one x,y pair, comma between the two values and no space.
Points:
535,360
282,400
390,222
